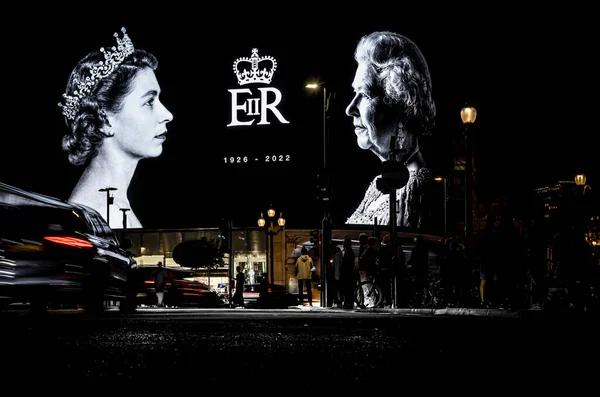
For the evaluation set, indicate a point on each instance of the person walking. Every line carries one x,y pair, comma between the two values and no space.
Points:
161,275
304,268
347,274
240,278
336,277
384,278
418,266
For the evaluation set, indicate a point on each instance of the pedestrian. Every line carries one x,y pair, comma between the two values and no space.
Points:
161,275
335,281
368,262
304,269
347,274
263,289
362,243
418,265
238,296
384,278
297,252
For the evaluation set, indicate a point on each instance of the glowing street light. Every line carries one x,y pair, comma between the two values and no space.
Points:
271,232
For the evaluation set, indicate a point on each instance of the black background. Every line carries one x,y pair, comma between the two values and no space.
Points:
532,79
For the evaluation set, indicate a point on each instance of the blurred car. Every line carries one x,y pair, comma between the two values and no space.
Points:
251,294
54,253
274,296
181,289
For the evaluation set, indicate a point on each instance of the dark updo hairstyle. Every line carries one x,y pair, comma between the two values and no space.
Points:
85,135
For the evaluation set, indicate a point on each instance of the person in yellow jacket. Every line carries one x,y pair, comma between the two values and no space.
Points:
304,269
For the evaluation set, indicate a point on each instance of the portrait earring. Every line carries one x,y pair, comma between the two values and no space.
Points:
105,129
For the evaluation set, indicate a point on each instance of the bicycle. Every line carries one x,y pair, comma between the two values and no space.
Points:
367,294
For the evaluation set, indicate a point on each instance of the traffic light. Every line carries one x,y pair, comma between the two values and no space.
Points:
223,233
323,187
315,236
315,239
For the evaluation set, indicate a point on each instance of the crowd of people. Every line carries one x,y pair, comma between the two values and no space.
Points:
507,266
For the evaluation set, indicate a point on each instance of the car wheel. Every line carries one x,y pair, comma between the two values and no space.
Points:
93,304
38,306
128,305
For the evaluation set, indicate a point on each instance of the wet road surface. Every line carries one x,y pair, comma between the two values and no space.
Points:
222,345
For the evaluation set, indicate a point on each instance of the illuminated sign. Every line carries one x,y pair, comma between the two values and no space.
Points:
244,128
249,103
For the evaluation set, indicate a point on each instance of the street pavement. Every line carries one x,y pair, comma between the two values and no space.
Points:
317,309
324,348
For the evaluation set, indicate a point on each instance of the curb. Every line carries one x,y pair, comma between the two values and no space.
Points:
421,311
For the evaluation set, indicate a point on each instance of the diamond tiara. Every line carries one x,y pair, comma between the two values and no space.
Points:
112,58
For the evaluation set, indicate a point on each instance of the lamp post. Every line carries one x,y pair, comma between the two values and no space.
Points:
271,232
124,217
468,114
124,222
582,209
325,192
109,201
394,175
314,86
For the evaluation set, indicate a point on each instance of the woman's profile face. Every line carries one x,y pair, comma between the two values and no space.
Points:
374,121
140,126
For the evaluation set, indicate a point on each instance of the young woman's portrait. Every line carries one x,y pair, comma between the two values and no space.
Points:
114,119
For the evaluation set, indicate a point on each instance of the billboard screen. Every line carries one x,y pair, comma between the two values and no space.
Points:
224,125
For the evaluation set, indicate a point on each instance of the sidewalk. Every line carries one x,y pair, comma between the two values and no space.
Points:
456,311
565,315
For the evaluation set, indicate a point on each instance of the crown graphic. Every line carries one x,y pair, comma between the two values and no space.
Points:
255,74
112,58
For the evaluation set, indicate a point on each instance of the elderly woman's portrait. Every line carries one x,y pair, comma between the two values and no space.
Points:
392,103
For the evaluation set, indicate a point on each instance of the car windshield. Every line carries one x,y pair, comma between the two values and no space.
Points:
31,221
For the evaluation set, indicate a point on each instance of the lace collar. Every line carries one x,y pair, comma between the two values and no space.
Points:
376,204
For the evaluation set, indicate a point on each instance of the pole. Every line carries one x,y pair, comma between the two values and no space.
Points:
107,189
108,206
272,259
468,188
124,221
393,216
124,217
445,207
324,128
326,250
326,222
229,236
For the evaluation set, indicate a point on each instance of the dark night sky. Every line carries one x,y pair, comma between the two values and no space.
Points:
532,76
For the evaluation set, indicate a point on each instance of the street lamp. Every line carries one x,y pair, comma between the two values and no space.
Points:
580,179
124,217
124,221
583,208
468,114
271,232
109,201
